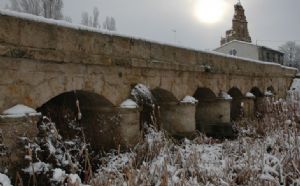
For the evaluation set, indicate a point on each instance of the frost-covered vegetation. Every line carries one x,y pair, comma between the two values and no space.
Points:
266,152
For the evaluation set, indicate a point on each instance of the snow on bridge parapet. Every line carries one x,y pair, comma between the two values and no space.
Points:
80,44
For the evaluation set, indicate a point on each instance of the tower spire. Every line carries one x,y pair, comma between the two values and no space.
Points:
239,30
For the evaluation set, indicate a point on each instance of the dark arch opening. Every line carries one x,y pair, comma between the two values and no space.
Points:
204,94
271,89
163,96
258,102
235,93
99,118
256,92
236,111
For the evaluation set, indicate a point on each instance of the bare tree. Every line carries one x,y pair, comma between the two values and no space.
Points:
68,19
53,9
96,17
90,21
28,6
109,23
93,20
85,18
47,8
292,54
14,5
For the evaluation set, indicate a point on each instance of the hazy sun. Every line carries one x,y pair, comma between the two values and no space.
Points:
210,11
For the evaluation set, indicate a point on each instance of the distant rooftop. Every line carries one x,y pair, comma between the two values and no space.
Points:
247,43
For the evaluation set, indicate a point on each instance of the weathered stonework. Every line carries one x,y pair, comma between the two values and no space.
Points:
212,114
248,107
39,61
12,130
178,119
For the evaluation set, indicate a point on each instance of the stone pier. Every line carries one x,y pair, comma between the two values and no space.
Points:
178,118
11,131
213,117
248,107
130,129
107,128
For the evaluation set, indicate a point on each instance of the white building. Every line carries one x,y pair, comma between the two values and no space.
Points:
252,51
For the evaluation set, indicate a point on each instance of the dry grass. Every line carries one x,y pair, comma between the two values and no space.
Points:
266,152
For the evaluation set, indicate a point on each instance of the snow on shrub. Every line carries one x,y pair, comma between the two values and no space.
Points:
4,180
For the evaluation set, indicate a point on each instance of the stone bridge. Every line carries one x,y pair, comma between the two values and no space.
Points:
42,61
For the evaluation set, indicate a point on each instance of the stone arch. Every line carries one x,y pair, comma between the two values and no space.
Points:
99,117
60,84
236,103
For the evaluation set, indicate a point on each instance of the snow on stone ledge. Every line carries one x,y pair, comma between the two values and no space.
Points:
129,103
189,99
250,95
19,111
225,96
4,180
268,93
296,85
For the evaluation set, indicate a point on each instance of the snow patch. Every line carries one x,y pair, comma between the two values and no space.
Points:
58,175
268,93
38,167
225,96
129,103
141,94
296,85
74,178
19,111
189,99
4,180
250,95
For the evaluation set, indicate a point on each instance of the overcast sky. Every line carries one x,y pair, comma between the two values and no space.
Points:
274,20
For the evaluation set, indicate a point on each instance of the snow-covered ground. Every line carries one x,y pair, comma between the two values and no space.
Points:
296,85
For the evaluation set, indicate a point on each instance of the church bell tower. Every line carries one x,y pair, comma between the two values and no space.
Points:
239,30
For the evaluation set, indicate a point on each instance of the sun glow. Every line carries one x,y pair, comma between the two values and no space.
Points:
210,11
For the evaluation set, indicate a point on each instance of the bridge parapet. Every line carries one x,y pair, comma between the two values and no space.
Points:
24,38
